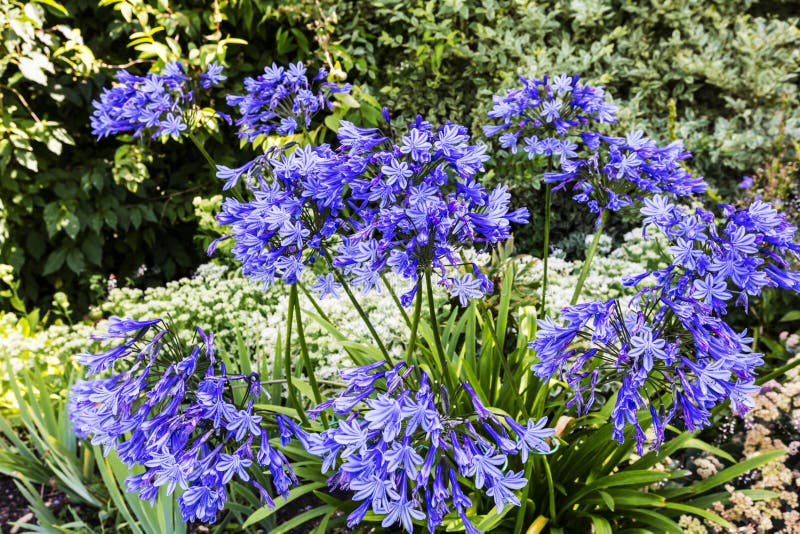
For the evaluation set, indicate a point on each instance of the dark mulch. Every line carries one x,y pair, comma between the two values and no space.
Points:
12,504
14,507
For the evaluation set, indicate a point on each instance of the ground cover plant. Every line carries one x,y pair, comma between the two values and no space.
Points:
372,350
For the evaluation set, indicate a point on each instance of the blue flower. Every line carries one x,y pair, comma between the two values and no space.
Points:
503,488
212,76
173,414
402,510
155,103
402,454
645,346
393,449
466,288
604,172
385,414
282,101
417,143
531,438
103,360
294,212
327,285
200,503
711,291
415,205
173,125
244,423
233,464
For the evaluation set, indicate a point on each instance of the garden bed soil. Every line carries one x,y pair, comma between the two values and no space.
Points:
13,505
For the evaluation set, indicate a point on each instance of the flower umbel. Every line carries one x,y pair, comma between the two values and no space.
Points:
407,460
173,412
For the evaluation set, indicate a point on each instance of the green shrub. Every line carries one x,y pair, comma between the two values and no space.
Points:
734,106
73,208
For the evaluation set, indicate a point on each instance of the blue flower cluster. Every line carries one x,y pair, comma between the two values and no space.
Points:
715,260
416,204
672,343
173,412
282,100
605,172
153,103
406,460
619,170
668,357
403,207
295,209
558,105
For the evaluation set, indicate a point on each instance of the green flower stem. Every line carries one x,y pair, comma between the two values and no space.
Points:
436,335
778,372
396,300
364,318
312,380
415,322
287,361
587,263
524,504
546,246
551,490
212,166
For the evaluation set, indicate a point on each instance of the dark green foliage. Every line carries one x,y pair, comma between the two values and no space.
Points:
725,70
73,208
74,211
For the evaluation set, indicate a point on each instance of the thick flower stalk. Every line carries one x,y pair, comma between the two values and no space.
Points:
407,458
415,204
282,101
157,104
172,410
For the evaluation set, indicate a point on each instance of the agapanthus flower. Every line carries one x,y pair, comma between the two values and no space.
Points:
553,117
295,210
717,258
212,76
157,104
415,204
282,100
408,461
548,104
610,173
671,356
172,411
670,348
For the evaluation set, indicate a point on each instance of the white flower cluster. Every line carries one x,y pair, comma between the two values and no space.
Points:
50,349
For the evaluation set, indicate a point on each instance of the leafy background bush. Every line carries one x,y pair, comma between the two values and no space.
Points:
448,58
73,208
